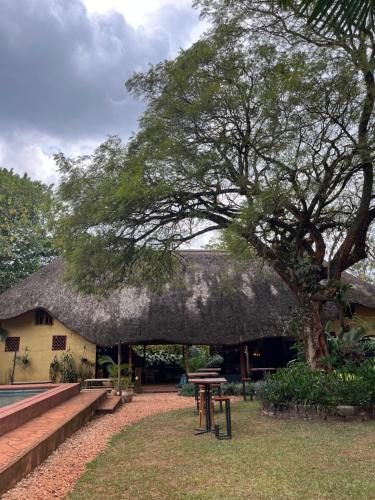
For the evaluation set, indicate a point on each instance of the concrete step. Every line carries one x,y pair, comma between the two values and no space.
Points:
108,404
23,448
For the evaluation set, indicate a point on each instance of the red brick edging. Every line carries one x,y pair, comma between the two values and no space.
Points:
308,412
16,414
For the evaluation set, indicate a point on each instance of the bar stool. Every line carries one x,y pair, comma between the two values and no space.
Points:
202,407
228,434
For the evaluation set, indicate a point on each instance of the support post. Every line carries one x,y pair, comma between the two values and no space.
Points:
14,367
130,362
186,357
247,361
243,362
119,365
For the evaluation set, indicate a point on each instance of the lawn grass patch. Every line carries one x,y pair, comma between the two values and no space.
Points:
159,457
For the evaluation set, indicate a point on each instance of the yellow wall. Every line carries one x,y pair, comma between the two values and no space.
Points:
38,340
363,313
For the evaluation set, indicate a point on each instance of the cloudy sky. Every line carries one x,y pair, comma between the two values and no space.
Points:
63,68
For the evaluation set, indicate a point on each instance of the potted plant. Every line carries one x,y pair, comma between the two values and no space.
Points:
23,360
113,369
126,389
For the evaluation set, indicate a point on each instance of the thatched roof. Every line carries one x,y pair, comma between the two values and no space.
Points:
215,301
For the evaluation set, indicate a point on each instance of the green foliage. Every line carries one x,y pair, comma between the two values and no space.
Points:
214,361
162,358
352,345
160,354
26,216
343,15
3,333
299,384
24,359
68,368
229,389
54,369
113,367
86,369
65,369
198,357
265,134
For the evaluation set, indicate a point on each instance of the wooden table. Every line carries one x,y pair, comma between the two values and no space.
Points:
191,376
207,382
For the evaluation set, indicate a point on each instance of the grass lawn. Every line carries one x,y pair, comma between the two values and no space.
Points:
160,458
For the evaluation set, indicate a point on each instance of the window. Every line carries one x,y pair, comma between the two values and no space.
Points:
43,318
12,344
59,343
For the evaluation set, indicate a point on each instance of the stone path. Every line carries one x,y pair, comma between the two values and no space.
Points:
55,477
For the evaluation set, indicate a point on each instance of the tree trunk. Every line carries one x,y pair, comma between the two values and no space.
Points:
314,336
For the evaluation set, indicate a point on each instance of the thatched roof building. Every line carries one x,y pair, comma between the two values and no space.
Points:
216,300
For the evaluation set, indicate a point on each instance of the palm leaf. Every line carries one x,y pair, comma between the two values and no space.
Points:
340,14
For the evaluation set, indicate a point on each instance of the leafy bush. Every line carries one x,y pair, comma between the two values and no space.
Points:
199,358
350,346
230,389
162,358
187,390
299,384
68,368
214,361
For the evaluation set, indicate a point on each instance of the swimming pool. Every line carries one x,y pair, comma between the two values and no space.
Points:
11,396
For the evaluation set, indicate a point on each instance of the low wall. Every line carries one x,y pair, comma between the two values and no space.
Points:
16,414
307,412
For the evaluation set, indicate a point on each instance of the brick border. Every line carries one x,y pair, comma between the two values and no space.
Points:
342,413
16,414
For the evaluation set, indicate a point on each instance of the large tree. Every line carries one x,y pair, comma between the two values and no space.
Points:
263,129
25,217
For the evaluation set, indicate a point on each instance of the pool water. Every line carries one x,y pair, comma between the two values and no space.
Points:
13,396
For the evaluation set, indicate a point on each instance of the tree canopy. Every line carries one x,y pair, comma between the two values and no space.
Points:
25,217
345,15
263,129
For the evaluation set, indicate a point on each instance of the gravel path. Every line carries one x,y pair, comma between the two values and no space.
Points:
56,476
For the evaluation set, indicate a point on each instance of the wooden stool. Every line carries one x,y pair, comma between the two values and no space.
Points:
218,434
202,408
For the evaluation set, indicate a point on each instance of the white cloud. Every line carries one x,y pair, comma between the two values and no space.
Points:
64,90
136,13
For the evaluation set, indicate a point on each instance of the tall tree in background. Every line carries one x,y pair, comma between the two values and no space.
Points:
25,216
263,129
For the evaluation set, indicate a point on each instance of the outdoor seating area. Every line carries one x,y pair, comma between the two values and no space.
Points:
205,381
187,250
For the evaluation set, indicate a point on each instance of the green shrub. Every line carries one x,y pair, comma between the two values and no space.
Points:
229,389
162,358
299,384
214,361
187,390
